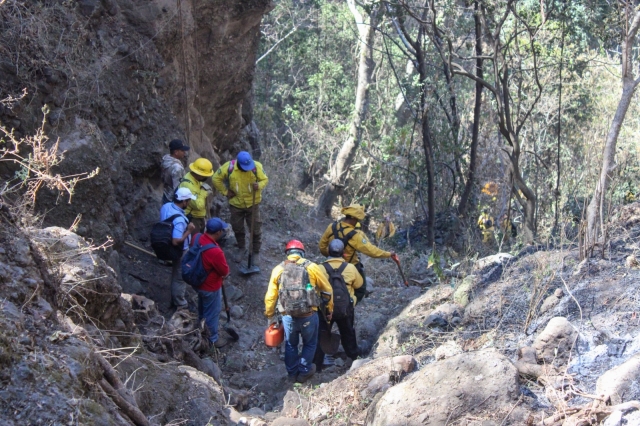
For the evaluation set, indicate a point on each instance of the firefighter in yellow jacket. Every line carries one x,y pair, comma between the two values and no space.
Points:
200,170
239,180
355,241
486,225
300,367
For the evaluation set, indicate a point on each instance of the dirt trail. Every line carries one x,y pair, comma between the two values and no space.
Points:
248,364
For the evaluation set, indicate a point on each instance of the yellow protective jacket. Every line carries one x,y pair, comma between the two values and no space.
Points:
196,208
317,277
359,243
241,183
352,277
481,222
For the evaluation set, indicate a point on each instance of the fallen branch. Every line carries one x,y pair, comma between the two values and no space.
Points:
114,380
129,410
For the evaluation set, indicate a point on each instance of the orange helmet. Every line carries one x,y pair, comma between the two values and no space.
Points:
294,244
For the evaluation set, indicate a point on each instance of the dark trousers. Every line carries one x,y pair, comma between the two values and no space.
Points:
347,337
238,219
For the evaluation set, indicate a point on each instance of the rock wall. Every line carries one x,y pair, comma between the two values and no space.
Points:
120,79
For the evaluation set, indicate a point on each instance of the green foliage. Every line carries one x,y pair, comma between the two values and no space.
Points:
305,90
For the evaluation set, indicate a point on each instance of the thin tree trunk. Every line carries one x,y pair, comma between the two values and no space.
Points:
629,84
427,143
477,109
347,153
557,191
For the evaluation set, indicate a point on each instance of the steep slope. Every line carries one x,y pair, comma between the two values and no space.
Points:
119,80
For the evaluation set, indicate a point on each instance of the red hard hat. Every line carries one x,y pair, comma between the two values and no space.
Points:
294,244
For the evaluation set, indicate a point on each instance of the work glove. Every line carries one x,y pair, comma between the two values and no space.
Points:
272,320
206,187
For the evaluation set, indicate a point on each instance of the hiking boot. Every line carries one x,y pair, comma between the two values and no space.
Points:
291,378
221,342
255,259
304,377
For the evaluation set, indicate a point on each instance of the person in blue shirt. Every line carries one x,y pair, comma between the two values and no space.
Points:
182,230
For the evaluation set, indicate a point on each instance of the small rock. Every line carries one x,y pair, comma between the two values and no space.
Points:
359,363
556,340
549,303
339,362
233,292
236,312
370,286
558,293
293,404
254,412
404,363
377,383
632,262
285,421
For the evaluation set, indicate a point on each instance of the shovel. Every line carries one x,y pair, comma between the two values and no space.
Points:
329,342
251,269
230,331
397,262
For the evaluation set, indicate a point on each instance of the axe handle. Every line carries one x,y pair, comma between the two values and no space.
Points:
226,305
397,262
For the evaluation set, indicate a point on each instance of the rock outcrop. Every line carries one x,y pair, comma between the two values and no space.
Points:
120,79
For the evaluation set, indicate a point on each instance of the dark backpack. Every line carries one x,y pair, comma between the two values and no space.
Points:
193,271
162,239
345,238
488,223
341,296
293,297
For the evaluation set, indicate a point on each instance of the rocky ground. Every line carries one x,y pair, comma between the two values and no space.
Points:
539,338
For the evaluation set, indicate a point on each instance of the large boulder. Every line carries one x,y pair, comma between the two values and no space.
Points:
446,390
89,291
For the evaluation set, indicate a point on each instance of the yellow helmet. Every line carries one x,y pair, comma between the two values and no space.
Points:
202,167
354,210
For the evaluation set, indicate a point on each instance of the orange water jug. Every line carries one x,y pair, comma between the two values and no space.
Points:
274,335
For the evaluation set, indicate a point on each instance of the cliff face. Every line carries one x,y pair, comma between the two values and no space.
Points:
120,79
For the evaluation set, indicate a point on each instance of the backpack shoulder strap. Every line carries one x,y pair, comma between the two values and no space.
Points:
328,267
171,218
334,229
341,268
196,240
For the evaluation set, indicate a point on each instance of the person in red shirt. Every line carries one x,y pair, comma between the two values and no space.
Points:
209,294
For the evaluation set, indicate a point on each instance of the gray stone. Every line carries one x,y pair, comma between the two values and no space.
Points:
359,363
286,421
377,384
294,404
114,263
236,312
556,341
549,303
233,292
460,381
254,412
621,383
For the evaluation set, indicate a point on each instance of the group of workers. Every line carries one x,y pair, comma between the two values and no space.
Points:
242,181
